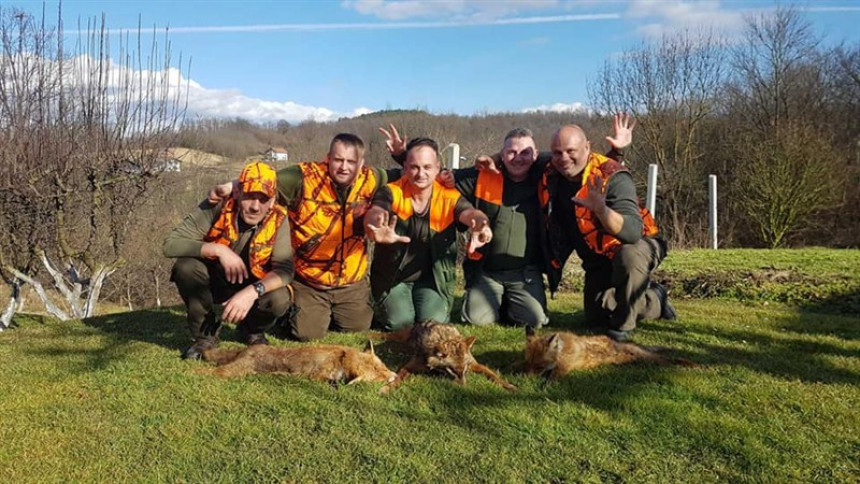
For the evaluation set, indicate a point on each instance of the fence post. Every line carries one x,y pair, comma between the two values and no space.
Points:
651,195
452,156
712,210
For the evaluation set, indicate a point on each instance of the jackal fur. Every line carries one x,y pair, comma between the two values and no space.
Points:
439,347
554,355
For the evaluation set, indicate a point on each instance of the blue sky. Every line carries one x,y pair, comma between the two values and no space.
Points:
294,60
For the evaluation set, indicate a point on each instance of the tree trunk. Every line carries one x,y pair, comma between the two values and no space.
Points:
157,291
49,306
14,300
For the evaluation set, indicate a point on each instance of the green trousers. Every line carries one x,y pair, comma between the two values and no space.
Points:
511,297
410,302
202,284
618,295
345,308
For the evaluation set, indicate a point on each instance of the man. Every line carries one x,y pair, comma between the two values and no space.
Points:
591,207
503,279
238,253
413,222
326,201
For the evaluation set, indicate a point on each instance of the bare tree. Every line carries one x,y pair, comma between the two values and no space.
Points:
781,101
82,139
776,79
786,178
671,87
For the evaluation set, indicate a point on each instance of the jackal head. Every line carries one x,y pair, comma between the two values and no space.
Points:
454,357
369,368
542,352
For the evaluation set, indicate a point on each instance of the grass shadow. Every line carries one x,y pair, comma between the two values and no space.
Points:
157,326
830,316
785,349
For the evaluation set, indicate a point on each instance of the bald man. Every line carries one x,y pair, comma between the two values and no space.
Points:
592,208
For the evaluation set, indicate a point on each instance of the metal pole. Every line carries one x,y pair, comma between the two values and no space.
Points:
651,196
452,156
712,210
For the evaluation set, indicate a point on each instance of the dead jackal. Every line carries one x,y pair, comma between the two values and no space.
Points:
556,354
439,347
331,363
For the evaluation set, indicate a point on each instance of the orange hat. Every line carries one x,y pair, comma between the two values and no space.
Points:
259,177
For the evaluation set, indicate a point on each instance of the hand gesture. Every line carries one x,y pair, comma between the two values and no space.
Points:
237,307
233,265
220,193
383,232
479,234
595,200
623,131
485,162
396,145
446,178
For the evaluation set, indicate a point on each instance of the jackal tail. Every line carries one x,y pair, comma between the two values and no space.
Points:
401,335
657,355
221,356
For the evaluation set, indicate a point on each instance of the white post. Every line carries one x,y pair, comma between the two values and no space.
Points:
452,156
712,210
651,196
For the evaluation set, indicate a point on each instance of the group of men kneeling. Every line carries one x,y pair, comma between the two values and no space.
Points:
299,238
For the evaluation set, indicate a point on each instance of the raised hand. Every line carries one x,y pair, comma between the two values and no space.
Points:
623,126
479,234
383,232
446,178
396,145
595,200
220,193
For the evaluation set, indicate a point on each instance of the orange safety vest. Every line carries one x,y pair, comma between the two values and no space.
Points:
329,250
387,259
588,223
489,188
442,203
225,231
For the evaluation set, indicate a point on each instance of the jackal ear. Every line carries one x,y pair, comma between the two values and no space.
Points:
555,343
530,332
470,341
368,348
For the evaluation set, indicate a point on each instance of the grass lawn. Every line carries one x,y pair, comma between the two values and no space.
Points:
776,400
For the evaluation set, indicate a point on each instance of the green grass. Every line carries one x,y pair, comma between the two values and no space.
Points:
816,279
108,400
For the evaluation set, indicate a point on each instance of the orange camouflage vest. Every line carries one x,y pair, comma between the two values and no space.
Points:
442,203
588,223
329,250
225,231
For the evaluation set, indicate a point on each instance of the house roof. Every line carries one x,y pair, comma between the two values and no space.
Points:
278,149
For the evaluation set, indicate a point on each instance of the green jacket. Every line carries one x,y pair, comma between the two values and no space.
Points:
446,205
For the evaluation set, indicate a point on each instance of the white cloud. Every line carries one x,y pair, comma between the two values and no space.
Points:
668,16
229,103
558,108
474,21
122,83
483,10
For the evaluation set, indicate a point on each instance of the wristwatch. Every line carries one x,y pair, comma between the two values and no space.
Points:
260,288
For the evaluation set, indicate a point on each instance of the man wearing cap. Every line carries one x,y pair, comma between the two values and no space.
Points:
236,253
326,202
